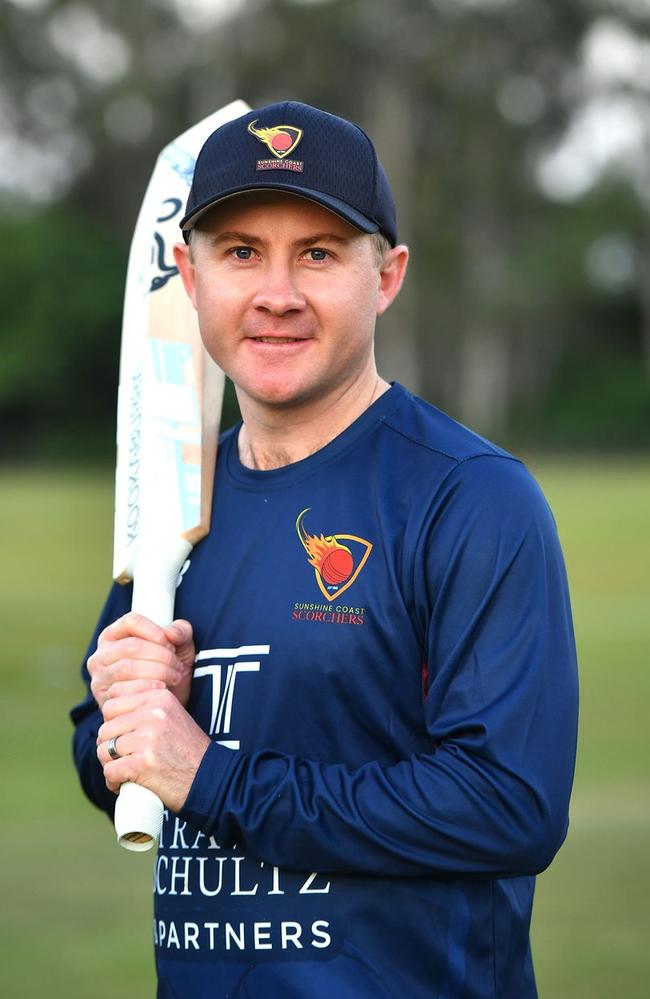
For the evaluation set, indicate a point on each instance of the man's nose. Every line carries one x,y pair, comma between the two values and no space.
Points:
278,291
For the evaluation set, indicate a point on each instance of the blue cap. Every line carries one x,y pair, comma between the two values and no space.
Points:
296,148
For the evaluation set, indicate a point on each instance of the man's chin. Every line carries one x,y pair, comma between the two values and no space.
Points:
281,395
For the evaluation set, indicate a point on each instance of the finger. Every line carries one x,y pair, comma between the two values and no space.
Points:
117,728
137,671
123,746
180,633
111,785
151,700
133,647
118,772
133,624
135,763
168,669
164,668
124,688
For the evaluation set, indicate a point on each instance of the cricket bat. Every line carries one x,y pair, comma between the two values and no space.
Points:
169,406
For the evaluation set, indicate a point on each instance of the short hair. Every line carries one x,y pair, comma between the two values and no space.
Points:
380,247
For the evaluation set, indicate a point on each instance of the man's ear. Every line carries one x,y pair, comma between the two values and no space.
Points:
391,276
183,259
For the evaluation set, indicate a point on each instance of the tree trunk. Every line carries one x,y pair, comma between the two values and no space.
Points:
643,284
484,368
389,118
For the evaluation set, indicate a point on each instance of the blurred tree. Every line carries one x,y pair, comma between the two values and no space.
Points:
528,225
61,285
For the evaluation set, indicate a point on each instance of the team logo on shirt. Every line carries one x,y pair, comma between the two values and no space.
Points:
337,559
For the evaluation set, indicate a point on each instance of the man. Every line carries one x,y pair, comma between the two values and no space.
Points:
362,722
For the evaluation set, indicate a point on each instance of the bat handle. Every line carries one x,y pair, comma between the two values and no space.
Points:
138,811
138,817
155,577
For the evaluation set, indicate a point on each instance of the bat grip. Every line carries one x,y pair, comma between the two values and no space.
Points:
138,811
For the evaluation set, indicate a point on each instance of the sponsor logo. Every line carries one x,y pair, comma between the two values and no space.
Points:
337,559
216,901
280,140
222,667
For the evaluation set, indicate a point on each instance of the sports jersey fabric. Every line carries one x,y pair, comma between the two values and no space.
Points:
386,666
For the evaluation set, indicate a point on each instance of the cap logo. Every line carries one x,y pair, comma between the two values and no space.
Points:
281,140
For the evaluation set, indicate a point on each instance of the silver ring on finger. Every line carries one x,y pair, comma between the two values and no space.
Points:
112,748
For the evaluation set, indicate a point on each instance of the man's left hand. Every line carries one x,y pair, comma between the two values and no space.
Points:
159,744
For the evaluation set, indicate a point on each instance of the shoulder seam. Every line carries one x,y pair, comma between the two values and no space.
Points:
452,457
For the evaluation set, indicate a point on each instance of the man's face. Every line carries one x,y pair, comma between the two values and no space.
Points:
287,296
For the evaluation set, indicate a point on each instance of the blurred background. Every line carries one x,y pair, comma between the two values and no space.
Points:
516,134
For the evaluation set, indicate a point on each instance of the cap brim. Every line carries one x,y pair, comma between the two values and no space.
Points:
340,208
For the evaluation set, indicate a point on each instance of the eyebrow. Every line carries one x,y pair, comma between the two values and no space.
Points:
232,236
249,239
325,237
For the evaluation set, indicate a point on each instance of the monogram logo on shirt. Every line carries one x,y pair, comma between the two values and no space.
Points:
224,667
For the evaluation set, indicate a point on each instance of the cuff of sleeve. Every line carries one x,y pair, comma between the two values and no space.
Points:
84,748
204,803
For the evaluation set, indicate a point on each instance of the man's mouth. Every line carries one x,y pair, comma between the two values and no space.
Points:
277,339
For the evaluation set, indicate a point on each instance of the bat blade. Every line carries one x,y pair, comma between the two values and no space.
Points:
169,406
169,396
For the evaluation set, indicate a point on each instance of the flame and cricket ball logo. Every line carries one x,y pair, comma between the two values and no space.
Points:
336,565
281,140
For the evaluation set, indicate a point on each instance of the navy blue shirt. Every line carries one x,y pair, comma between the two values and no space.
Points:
386,666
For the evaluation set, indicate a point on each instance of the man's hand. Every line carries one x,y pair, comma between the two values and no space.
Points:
159,744
134,655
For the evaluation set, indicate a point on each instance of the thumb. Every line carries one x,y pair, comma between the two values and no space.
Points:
180,634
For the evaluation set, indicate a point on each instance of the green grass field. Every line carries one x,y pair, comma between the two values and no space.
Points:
76,911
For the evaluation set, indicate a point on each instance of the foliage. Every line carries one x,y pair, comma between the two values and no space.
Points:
510,285
61,284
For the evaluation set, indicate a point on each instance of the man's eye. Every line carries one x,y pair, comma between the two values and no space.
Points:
317,254
242,252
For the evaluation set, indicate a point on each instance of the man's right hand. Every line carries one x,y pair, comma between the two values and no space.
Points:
135,655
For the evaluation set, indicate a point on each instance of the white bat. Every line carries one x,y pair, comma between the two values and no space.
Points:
169,406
